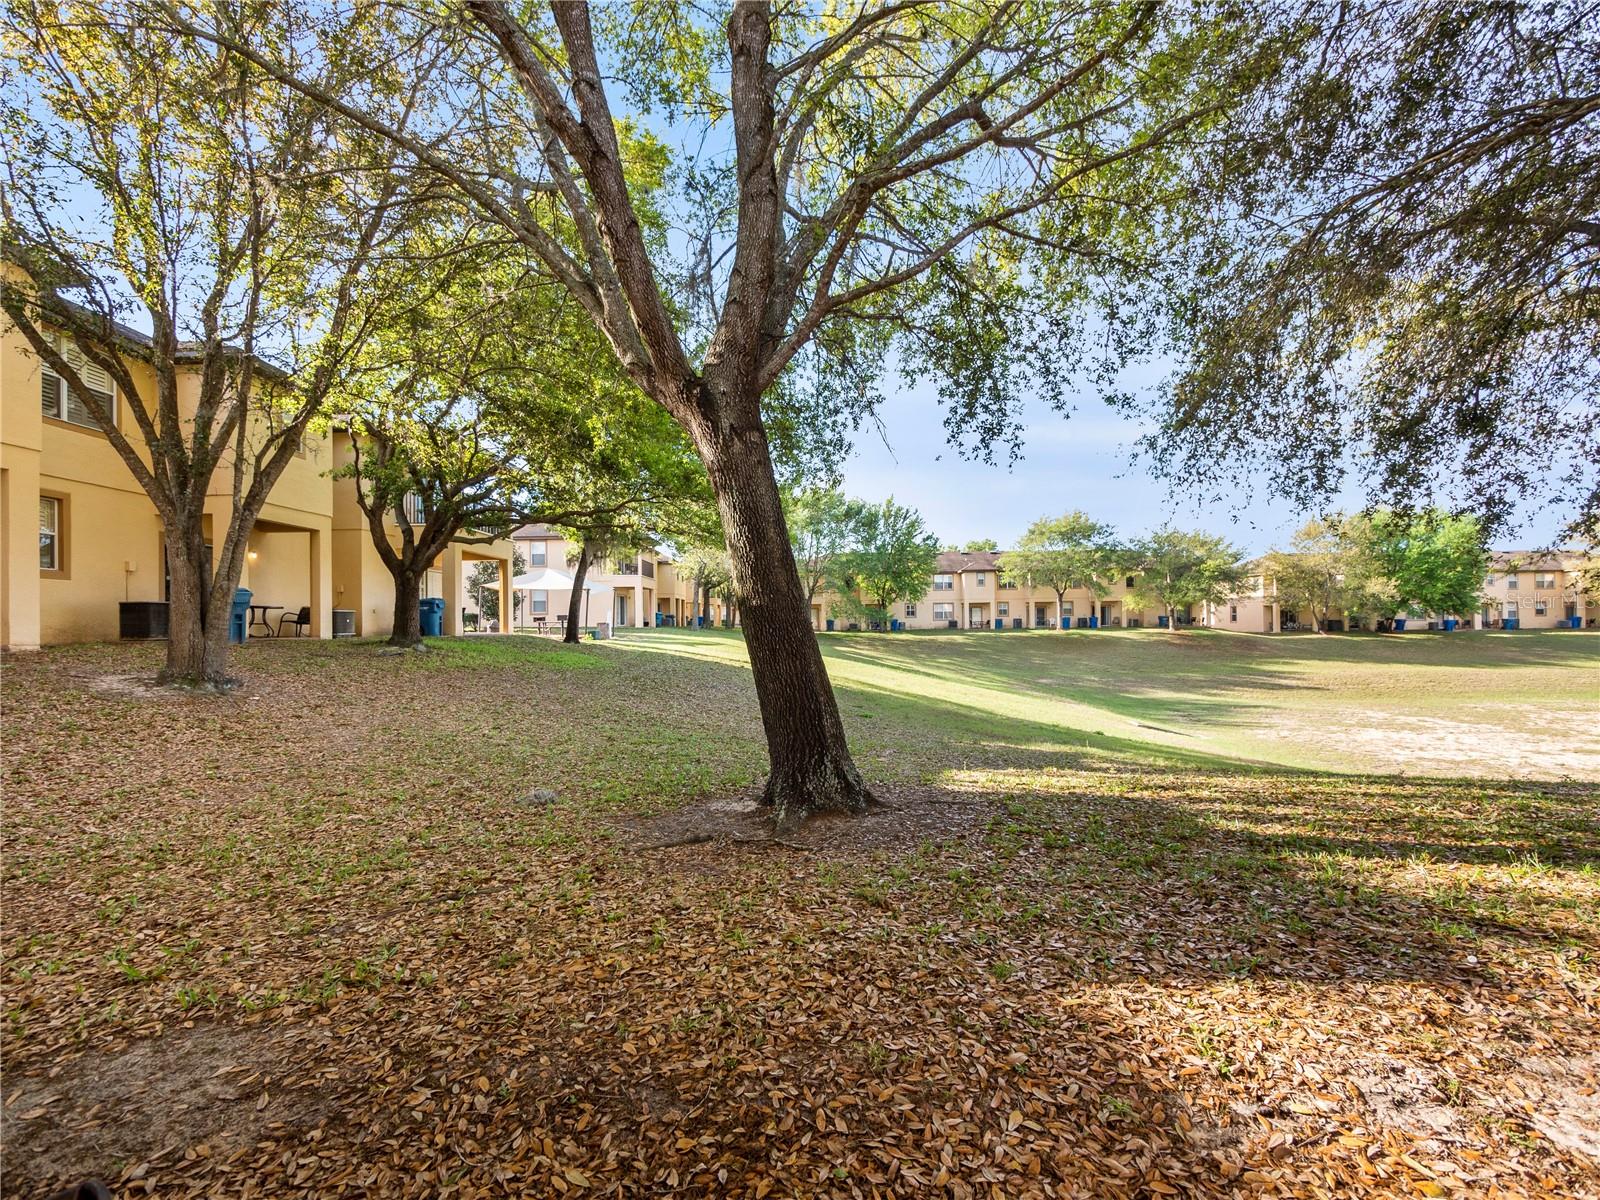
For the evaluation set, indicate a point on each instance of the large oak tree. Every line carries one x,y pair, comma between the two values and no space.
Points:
174,185
956,183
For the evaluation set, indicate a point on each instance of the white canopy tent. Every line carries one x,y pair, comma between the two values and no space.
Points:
549,579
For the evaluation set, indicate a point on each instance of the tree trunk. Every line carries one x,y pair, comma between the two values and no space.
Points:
811,766
407,629
574,632
197,617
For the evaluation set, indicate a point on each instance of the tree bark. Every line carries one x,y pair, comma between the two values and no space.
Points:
407,630
811,767
574,632
198,611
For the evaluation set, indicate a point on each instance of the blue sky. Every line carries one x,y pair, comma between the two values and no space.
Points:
1081,462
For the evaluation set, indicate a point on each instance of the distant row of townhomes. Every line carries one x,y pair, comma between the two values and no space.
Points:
97,551
1537,589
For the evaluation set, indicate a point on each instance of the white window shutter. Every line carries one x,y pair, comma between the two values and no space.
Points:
94,378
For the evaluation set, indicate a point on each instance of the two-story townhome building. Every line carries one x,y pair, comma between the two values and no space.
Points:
1538,589
98,542
970,590
635,590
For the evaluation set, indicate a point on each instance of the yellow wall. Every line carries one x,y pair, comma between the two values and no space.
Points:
112,545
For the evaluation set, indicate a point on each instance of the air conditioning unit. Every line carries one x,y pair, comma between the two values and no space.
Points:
142,619
344,622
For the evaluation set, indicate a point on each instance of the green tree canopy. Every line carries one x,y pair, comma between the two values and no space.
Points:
1329,571
1065,553
1401,274
1175,569
891,559
823,525
161,184
956,184
1435,562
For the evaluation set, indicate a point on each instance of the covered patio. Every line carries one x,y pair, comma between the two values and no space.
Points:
457,590
546,594
287,568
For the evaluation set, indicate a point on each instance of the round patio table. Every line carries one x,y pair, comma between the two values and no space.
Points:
258,616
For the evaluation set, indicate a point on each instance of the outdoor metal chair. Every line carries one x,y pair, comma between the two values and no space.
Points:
300,620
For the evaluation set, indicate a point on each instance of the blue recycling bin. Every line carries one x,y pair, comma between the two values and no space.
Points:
1094,622
1509,623
999,624
239,618
830,624
1450,624
1161,622
431,611
1399,624
1575,622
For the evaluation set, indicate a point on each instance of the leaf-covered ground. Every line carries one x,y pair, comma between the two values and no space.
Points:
334,936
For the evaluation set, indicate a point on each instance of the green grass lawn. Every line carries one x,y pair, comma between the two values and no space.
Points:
1141,915
1523,704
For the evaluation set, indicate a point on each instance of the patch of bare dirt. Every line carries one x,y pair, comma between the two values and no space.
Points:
1404,1096
1558,746
205,1091
130,686
1559,1097
1565,1098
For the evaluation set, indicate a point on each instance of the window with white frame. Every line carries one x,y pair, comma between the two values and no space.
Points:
1005,609
1544,581
541,601
1066,609
911,610
1511,583
944,612
1233,612
1540,608
1511,608
944,583
61,403
51,554
1488,581
536,554
981,579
